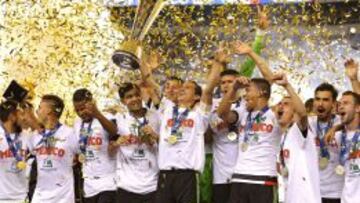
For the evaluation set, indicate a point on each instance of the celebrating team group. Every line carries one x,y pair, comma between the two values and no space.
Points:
155,150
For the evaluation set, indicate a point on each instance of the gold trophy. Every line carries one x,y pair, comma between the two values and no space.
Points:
129,54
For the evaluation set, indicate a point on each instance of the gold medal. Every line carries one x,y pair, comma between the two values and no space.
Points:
232,136
172,139
323,163
340,170
82,158
21,165
244,146
284,171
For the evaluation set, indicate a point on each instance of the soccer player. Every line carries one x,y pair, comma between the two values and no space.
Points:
137,169
298,160
181,142
254,178
325,101
349,141
55,148
94,131
13,150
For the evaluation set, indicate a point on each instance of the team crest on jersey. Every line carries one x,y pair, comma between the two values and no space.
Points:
47,164
139,153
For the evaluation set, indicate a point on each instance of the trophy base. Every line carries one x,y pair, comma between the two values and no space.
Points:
126,60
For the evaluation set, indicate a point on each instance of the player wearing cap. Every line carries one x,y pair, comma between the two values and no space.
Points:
13,151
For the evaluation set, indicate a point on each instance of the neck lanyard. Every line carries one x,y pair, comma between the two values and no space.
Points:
320,133
177,119
345,146
84,136
250,122
46,136
14,145
141,123
282,158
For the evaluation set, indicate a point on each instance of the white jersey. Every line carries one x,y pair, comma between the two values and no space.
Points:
137,169
225,151
300,157
331,184
188,151
99,168
165,103
351,192
13,183
260,157
55,181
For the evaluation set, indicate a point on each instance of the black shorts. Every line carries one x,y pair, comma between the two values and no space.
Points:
178,186
221,193
328,200
254,193
102,197
124,196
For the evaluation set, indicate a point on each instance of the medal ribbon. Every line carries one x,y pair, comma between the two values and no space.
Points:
282,158
250,122
139,126
141,123
84,136
46,136
177,119
14,146
345,147
320,132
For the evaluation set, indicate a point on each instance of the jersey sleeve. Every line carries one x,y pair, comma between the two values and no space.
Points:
74,141
120,123
155,121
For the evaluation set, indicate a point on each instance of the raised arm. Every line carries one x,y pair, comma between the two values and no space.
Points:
224,109
242,48
148,64
108,125
213,78
299,106
247,68
351,70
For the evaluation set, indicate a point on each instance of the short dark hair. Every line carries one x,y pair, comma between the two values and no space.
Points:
263,85
309,104
57,103
126,87
175,79
82,94
6,108
229,72
198,89
329,88
355,96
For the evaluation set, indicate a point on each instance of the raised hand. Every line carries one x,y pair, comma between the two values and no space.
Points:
280,79
151,137
351,69
239,47
151,61
222,55
263,20
241,82
91,109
